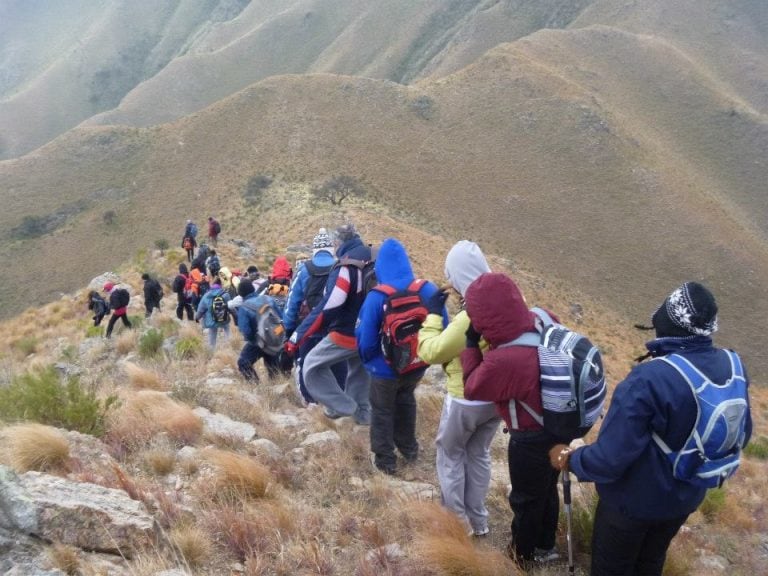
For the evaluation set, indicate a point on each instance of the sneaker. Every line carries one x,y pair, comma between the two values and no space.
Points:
383,470
362,417
480,532
332,414
541,556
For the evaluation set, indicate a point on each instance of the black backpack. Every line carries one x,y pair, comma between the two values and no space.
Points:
369,272
214,265
155,289
313,293
123,297
219,308
216,227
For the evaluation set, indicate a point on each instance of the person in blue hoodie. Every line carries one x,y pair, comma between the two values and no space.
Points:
247,323
642,505
393,405
205,311
306,292
335,316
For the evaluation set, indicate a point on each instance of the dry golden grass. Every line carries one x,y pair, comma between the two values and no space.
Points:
125,341
237,476
65,558
143,414
143,379
160,460
32,446
193,544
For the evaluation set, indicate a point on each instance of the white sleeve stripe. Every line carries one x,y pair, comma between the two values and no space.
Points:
338,295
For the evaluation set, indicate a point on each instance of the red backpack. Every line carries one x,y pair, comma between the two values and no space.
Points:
404,313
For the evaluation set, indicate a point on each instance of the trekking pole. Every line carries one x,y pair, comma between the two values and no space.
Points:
568,517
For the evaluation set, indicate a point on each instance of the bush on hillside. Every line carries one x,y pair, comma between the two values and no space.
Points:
758,448
43,396
338,189
424,107
151,343
109,217
255,187
188,347
162,245
26,345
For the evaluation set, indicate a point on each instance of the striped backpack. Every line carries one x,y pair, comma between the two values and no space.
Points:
572,378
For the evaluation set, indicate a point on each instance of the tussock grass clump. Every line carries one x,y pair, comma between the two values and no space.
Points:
26,345
713,503
65,558
126,342
147,413
189,347
237,476
193,544
441,543
141,378
33,446
151,343
757,448
160,460
41,395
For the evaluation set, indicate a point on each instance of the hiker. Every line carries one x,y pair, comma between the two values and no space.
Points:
259,282
247,323
183,299
98,306
282,273
509,376
336,315
306,292
197,285
188,243
200,261
153,294
213,264
118,302
214,229
466,427
190,229
213,309
643,502
394,375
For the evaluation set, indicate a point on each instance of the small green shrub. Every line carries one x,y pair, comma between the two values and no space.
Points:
151,343
94,331
43,396
162,245
26,345
713,503
189,347
758,448
255,187
136,320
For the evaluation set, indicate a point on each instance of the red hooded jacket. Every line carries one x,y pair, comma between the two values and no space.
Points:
281,269
498,311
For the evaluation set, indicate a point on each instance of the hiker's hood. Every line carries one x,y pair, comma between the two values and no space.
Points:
183,269
392,264
497,309
281,268
464,263
323,258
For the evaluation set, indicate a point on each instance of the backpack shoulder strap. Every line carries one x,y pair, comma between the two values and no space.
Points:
385,289
416,285
692,375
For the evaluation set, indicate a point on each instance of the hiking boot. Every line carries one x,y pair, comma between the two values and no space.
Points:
389,471
332,414
480,532
541,556
362,417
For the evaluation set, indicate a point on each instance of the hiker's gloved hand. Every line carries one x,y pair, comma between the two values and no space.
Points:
436,302
559,455
473,337
290,348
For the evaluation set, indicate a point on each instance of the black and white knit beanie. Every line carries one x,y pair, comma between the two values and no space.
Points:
690,310
321,241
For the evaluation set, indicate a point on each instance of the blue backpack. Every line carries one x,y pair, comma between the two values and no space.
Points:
713,450
571,375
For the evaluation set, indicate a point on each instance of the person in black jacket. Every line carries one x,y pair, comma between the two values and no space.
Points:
98,306
153,293
183,302
118,302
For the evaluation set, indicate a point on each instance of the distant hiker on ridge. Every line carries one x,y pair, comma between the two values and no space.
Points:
153,294
466,427
336,314
118,302
644,498
390,356
214,229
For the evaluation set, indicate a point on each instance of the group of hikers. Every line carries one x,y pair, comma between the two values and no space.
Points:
359,330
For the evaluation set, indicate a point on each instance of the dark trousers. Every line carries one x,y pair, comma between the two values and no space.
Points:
534,498
149,306
99,317
393,420
190,254
113,319
249,355
339,370
623,546
183,305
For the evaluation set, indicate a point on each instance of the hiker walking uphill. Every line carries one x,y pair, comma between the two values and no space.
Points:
509,376
98,306
648,485
306,292
213,310
153,294
336,314
389,356
214,229
213,264
466,427
259,321
183,297
119,299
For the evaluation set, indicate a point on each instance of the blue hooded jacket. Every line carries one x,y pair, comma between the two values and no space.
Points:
322,259
394,269
632,474
247,319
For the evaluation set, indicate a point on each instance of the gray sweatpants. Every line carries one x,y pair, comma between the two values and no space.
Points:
322,385
464,458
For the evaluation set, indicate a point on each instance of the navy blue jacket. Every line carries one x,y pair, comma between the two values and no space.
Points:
322,259
247,318
394,269
632,474
336,313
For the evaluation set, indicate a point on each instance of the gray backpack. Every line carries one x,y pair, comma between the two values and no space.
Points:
270,333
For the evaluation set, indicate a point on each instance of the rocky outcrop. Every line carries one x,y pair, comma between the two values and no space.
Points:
79,514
